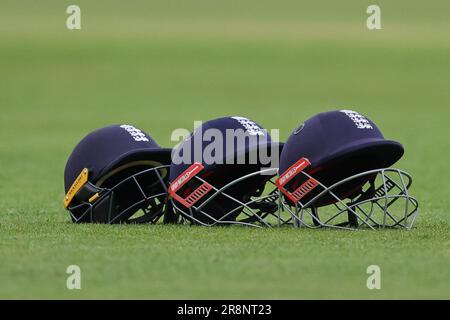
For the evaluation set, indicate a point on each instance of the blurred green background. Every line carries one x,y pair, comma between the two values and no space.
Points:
160,65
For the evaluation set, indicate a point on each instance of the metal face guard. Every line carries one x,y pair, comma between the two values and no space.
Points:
145,190
256,210
384,202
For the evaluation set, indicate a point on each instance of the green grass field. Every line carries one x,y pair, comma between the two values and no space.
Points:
160,65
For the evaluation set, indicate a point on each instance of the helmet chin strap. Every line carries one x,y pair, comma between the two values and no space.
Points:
88,191
315,213
264,207
368,194
151,213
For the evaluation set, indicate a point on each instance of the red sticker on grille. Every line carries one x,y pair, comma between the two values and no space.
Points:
291,173
185,177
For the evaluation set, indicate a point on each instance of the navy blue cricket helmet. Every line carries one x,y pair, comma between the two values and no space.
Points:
218,174
332,156
330,136
113,173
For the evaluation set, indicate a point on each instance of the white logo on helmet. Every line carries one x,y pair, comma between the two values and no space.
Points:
135,133
252,128
359,120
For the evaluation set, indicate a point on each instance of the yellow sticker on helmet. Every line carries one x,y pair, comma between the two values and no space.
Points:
80,181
